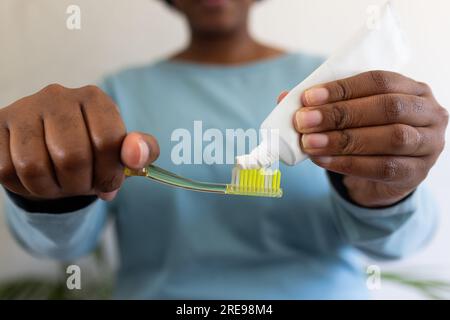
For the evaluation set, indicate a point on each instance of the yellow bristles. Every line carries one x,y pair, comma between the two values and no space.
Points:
255,182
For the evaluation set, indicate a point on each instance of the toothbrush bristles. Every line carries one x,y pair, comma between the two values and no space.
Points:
257,182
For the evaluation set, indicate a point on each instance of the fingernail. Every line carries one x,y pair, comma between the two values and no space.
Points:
108,196
143,152
314,141
308,119
323,160
316,96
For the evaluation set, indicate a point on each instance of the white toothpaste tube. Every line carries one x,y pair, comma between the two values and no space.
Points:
378,46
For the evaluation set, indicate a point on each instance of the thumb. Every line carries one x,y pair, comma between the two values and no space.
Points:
139,150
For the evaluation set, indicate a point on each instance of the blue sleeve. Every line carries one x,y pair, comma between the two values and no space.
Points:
391,232
62,236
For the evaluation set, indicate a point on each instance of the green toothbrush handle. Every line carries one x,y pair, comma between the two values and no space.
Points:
163,176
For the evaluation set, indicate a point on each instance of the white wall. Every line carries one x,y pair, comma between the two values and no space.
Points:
37,49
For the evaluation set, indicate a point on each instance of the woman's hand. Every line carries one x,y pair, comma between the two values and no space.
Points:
382,130
64,142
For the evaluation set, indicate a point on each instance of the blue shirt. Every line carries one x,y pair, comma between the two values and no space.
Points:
175,243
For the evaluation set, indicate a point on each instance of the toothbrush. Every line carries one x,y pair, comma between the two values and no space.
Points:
245,182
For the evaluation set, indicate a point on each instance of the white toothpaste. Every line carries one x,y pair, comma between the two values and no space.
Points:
378,46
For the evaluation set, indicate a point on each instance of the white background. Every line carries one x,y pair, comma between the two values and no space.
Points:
37,49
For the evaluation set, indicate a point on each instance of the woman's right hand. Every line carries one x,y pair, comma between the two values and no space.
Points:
64,142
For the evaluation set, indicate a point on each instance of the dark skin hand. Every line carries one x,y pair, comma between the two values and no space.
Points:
382,130
64,142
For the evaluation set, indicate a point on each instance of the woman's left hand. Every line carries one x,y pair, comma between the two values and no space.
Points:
381,130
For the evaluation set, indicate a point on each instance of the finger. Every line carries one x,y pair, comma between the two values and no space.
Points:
108,196
70,150
8,176
369,111
30,157
282,96
139,150
106,132
363,85
377,168
396,139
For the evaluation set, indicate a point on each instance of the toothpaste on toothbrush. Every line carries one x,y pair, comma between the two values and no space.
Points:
377,47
